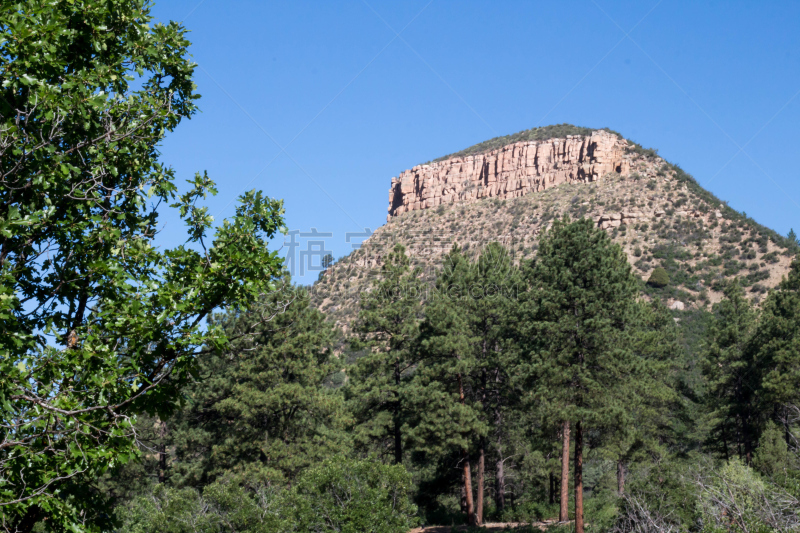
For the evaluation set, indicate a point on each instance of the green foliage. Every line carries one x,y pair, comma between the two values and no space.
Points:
777,341
536,134
338,495
387,330
794,242
736,499
732,373
658,278
222,507
260,410
346,496
99,325
582,307
772,458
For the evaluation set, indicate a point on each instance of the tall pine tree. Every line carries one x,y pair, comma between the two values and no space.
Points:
448,416
466,363
386,333
583,305
731,373
777,342
264,409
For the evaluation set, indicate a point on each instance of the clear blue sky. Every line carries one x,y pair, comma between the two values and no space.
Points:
321,103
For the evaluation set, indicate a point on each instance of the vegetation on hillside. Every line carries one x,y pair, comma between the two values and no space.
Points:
522,394
196,389
543,133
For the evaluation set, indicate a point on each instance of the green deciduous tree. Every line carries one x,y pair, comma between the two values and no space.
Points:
386,331
98,324
221,507
261,410
583,315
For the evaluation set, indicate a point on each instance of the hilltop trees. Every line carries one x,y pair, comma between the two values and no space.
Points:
98,324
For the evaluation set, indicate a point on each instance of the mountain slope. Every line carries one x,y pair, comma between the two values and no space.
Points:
510,194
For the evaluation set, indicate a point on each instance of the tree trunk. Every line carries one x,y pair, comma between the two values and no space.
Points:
620,477
398,443
578,478
467,470
500,492
481,472
563,515
468,490
500,474
463,494
552,498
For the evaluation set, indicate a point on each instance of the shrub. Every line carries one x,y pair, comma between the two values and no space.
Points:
222,507
736,499
659,278
354,497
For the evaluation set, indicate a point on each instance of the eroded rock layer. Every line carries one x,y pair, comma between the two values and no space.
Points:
508,172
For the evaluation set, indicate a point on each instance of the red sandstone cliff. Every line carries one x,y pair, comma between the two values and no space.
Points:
510,171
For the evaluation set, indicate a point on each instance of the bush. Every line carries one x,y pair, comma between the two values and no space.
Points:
354,497
223,507
338,496
659,278
736,499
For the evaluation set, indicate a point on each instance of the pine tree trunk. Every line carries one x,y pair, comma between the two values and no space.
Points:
552,498
563,515
578,478
398,445
467,470
500,492
620,477
500,475
481,473
463,494
468,489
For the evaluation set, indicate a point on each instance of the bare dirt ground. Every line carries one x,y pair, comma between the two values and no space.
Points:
489,526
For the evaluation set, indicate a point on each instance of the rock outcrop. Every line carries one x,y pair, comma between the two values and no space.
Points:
510,171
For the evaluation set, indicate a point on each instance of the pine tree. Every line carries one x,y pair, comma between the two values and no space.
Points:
583,302
386,331
777,342
448,416
732,374
650,398
794,242
263,410
466,355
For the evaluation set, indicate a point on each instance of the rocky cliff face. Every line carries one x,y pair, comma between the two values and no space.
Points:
657,213
508,172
